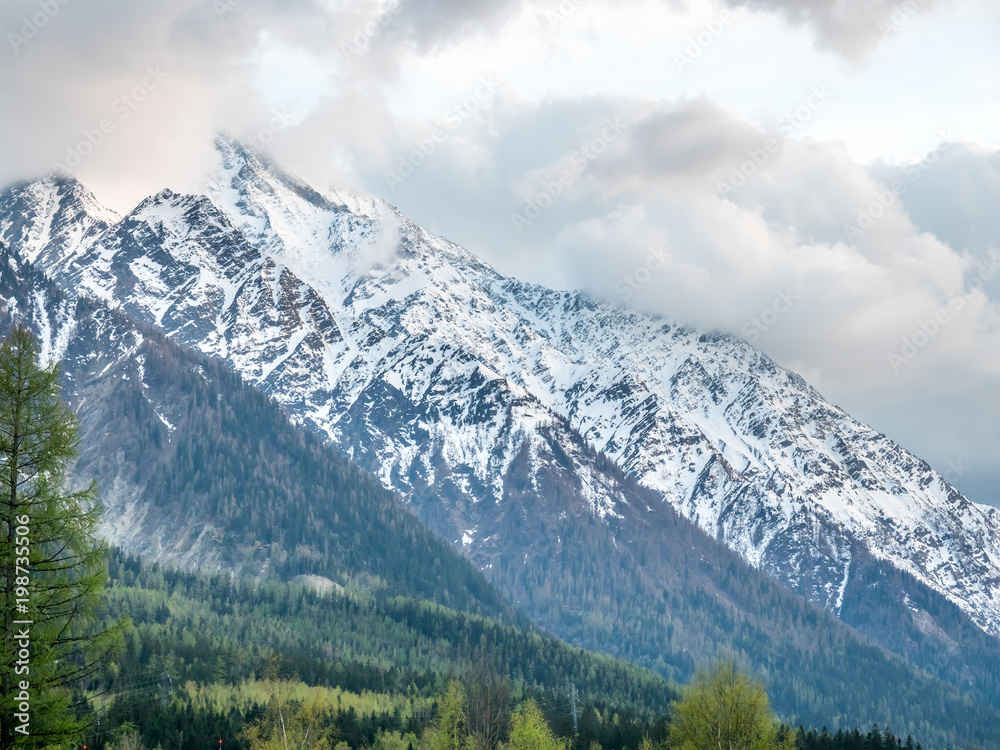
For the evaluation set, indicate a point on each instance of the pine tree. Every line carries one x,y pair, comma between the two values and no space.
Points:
52,568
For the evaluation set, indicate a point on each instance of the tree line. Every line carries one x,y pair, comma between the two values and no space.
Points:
433,678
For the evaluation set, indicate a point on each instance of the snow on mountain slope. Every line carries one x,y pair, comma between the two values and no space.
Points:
101,353
437,373
173,438
53,220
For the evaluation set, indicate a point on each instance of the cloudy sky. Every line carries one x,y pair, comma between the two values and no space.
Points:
821,177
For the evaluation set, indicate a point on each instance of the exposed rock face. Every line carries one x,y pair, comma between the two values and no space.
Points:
455,385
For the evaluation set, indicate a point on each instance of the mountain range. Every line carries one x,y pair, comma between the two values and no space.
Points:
632,485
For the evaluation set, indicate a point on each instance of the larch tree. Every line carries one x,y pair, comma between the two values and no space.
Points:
488,699
450,731
52,566
306,724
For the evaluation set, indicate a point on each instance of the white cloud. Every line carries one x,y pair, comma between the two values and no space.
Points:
645,224
851,28
361,84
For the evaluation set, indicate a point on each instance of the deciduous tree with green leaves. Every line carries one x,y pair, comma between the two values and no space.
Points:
530,731
52,566
289,725
726,709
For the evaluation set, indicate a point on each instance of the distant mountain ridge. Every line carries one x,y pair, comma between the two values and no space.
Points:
525,424
345,311
197,469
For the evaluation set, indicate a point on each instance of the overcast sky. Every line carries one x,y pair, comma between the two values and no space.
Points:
819,176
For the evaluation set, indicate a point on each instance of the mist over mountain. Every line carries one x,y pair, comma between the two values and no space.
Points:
635,487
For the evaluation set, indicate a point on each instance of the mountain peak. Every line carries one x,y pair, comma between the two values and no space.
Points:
244,168
51,221
439,375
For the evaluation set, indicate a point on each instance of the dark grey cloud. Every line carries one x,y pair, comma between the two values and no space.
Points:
690,140
954,193
443,20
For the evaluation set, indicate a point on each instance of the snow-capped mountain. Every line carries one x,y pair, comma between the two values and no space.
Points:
197,468
456,385
173,438
57,218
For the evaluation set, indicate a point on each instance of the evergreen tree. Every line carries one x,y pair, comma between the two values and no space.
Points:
52,569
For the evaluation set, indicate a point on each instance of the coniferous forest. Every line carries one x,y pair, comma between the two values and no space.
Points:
399,616
205,650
